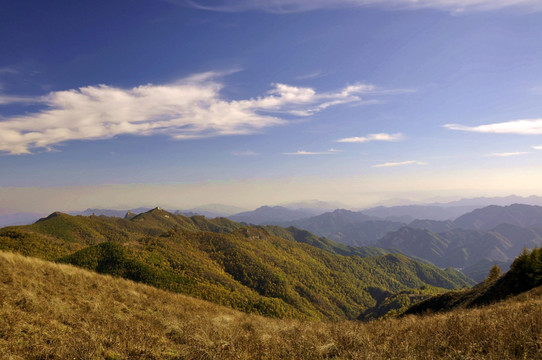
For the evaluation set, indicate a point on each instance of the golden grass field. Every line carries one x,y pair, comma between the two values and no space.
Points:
54,311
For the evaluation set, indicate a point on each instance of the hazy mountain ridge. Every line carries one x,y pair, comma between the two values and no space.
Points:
346,227
461,248
272,215
408,213
528,216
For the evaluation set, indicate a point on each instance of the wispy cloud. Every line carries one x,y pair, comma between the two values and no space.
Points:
372,137
294,6
244,153
521,127
303,152
310,75
507,154
6,99
537,147
401,163
8,70
190,108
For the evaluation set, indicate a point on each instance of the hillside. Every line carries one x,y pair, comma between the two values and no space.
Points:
394,304
55,311
293,275
525,273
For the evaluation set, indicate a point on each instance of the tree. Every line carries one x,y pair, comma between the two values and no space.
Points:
494,273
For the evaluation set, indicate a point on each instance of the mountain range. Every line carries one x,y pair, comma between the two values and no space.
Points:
472,242
276,272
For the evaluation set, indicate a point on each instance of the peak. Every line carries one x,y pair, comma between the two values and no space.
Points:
52,216
342,211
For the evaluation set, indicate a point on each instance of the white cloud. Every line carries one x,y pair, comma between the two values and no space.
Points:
303,152
402,163
293,6
507,154
190,108
537,147
372,137
521,127
244,153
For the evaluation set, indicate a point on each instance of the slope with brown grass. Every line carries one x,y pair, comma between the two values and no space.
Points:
54,311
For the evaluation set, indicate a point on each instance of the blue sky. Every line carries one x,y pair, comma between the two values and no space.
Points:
182,103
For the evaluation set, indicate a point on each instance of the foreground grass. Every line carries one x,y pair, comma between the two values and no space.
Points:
53,311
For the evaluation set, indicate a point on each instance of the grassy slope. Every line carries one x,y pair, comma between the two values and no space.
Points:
58,311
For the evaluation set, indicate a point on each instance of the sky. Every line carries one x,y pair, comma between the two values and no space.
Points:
174,103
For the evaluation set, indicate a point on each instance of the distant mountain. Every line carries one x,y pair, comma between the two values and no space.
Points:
270,215
408,213
479,271
316,206
209,211
486,201
109,212
213,210
528,216
461,248
347,227
433,225
294,275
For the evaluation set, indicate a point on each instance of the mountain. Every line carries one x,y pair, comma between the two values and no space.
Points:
433,225
243,267
478,272
346,227
212,210
487,201
409,213
315,206
528,216
109,212
57,311
460,248
306,237
270,215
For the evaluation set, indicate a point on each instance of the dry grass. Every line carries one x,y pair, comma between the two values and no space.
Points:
52,311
